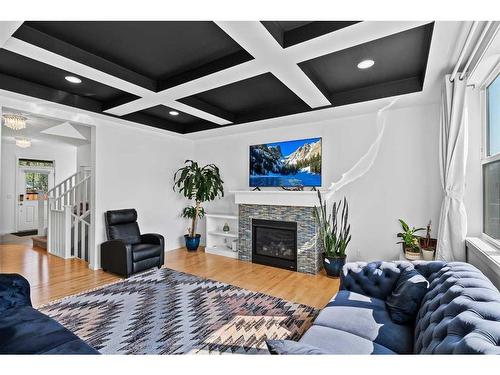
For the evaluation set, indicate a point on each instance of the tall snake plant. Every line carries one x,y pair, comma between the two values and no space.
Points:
333,228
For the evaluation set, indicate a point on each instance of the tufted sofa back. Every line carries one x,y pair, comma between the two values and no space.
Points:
374,279
460,313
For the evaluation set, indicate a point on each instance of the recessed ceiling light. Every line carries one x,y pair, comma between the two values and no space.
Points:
174,113
73,79
365,64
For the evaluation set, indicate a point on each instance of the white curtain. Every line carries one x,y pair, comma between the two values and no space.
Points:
453,156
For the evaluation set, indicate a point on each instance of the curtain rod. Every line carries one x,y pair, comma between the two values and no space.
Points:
464,49
474,50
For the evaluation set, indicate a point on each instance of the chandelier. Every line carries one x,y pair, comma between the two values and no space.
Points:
23,142
16,122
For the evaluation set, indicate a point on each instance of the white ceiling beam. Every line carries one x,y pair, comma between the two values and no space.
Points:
148,98
350,36
221,78
359,33
257,41
7,29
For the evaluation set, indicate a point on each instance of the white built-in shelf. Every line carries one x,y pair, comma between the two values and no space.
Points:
277,197
223,234
221,251
219,242
222,216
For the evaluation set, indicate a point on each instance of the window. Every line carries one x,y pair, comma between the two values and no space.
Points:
37,182
491,162
35,163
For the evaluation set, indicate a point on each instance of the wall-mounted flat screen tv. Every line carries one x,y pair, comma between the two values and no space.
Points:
290,163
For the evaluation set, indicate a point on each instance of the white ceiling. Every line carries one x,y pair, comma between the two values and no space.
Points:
36,124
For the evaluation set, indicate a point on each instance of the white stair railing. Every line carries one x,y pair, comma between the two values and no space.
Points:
68,216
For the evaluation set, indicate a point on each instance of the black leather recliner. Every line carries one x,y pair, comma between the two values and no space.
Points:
127,251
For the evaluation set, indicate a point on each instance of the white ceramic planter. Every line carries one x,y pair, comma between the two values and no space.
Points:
428,254
412,256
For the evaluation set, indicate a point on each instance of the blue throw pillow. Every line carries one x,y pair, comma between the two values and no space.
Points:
404,301
291,347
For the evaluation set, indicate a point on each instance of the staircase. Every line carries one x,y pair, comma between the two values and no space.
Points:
64,218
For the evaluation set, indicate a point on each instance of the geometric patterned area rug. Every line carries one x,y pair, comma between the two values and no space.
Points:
170,312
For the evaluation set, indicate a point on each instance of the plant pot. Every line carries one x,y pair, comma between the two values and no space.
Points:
411,255
333,265
428,254
192,243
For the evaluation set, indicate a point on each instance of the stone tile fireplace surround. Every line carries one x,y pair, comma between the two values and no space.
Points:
287,209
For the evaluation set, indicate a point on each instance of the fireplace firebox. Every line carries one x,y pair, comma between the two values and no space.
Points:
274,243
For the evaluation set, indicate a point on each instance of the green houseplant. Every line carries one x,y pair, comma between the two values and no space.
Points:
199,184
334,233
410,241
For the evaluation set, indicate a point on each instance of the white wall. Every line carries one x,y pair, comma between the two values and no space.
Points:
403,182
83,156
65,162
134,169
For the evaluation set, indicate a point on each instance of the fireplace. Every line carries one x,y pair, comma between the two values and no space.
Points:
274,243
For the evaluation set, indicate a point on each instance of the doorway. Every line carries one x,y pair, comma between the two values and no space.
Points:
34,180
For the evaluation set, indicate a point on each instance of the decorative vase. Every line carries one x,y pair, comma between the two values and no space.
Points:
428,254
226,227
192,243
333,265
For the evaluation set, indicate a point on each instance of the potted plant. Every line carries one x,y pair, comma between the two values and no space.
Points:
201,184
410,241
428,244
334,234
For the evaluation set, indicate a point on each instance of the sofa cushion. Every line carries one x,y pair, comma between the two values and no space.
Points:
375,279
404,301
291,347
459,314
368,318
145,251
335,341
25,330
14,291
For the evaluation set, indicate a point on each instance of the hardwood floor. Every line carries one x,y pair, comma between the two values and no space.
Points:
50,277
312,290
53,278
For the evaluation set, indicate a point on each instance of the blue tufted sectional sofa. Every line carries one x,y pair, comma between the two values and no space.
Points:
459,313
24,330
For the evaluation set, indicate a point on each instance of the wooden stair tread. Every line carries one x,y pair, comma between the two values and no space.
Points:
40,241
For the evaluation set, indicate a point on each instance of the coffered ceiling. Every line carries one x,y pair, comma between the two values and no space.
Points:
190,76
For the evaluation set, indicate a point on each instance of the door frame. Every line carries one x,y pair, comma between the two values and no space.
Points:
16,182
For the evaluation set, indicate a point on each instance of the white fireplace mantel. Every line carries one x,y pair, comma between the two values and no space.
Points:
276,198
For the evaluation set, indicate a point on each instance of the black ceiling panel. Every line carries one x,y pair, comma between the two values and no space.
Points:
160,117
252,99
289,33
156,50
39,73
163,54
400,65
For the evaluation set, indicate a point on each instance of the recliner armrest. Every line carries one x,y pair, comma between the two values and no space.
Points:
153,238
116,256
14,291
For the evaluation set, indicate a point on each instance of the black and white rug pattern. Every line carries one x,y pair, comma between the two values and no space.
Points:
170,312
